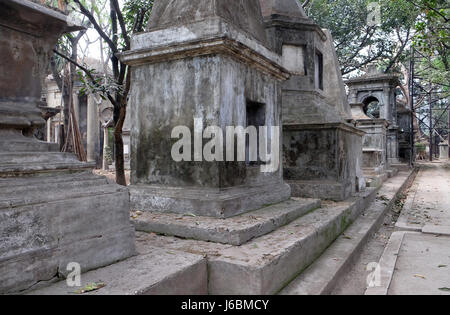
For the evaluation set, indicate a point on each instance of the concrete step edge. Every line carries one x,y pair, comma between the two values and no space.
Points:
321,277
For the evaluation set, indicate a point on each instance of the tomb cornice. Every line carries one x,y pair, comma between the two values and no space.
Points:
391,79
232,42
38,18
295,23
324,126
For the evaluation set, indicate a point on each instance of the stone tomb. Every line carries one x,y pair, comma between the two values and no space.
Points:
375,163
443,151
377,91
199,64
53,210
322,151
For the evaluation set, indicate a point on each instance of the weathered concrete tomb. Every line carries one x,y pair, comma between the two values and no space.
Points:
213,214
322,150
375,164
202,64
377,91
53,210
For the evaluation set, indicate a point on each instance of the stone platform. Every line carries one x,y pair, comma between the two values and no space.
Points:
211,202
265,264
236,230
51,218
306,256
153,271
324,274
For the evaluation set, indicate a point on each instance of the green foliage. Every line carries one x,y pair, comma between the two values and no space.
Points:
420,147
108,155
132,9
359,43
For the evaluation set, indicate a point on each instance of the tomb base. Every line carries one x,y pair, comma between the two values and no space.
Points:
209,202
51,218
323,160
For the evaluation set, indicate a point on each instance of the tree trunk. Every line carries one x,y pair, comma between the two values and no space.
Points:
118,152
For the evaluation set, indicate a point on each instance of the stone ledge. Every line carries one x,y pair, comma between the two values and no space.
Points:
206,202
265,264
329,190
153,272
323,275
236,230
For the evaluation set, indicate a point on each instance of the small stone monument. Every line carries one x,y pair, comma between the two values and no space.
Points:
443,151
322,151
203,64
379,90
53,209
374,145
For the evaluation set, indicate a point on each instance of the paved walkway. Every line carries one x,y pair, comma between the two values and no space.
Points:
417,257
428,201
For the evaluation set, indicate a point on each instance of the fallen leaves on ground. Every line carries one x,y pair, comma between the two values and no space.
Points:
91,287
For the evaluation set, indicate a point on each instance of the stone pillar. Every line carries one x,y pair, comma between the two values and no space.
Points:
105,162
322,151
374,148
49,130
53,209
76,106
219,73
92,129
443,151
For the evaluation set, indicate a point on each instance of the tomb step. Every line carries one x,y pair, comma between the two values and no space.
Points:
392,172
321,189
266,264
154,271
324,274
31,168
28,146
212,202
41,196
39,178
30,162
35,157
42,234
235,230
401,167
48,184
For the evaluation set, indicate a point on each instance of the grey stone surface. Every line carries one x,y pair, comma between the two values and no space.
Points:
375,163
324,274
224,203
211,67
244,14
53,220
387,264
427,202
290,8
323,160
419,265
52,211
266,264
236,231
318,142
443,151
154,271
375,86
